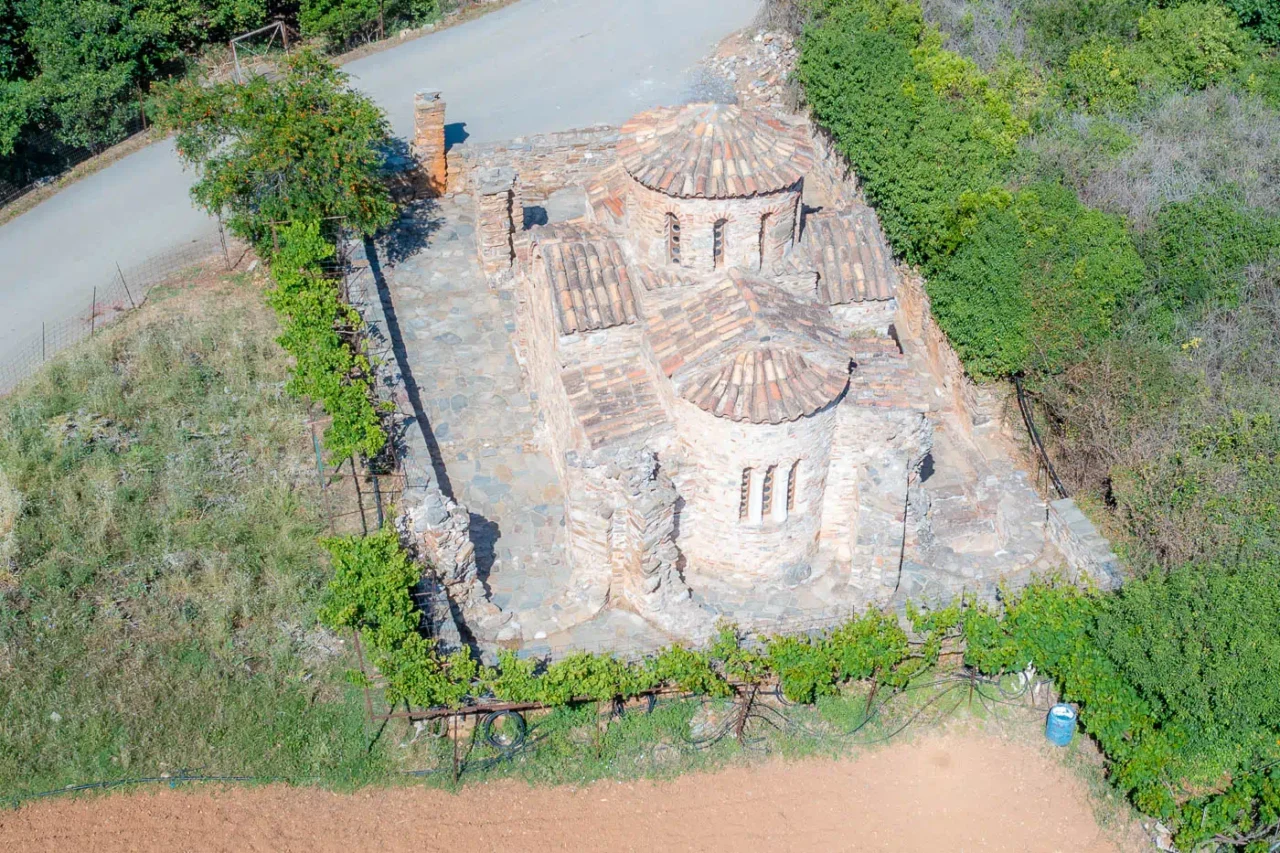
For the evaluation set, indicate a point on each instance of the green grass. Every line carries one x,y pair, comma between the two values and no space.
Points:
157,612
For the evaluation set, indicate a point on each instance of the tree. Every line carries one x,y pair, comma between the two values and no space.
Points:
303,147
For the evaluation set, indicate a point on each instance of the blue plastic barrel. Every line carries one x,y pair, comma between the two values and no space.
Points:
1061,724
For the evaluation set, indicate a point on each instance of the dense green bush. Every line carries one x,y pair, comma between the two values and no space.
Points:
1035,283
342,22
1104,76
318,331
1195,44
1198,251
921,156
305,146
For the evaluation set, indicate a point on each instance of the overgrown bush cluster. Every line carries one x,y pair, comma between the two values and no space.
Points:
292,163
1192,741
1115,240
371,592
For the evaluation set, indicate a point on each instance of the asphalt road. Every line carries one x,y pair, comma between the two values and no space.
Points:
536,66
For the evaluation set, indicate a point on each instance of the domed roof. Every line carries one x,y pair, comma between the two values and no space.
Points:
764,385
712,151
748,350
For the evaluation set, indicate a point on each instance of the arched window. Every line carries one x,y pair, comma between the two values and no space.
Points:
717,242
767,491
744,502
792,476
766,222
673,239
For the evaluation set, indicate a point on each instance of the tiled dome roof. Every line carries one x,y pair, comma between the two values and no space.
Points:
712,151
748,350
765,385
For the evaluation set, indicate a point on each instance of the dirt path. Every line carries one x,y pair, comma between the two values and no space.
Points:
945,792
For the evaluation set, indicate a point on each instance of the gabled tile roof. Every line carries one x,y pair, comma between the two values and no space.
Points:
713,151
614,400
591,285
849,253
748,350
607,196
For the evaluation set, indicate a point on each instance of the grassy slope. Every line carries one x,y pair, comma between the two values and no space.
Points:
160,611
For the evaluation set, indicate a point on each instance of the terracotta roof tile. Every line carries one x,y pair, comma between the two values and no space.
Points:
850,255
590,281
713,151
614,401
748,350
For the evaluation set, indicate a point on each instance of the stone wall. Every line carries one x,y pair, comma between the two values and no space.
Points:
713,534
647,223
429,142
915,320
870,510
622,520
550,161
1084,548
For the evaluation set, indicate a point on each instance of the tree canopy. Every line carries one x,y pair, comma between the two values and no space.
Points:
305,146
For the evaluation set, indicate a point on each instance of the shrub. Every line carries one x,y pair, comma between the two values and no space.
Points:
917,151
305,146
1058,28
1214,495
1260,16
318,331
1198,251
978,297
1035,283
1196,44
1102,76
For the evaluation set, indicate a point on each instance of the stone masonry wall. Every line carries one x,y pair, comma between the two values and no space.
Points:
915,316
547,162
647,222
429,143
622,520
713,536
1085,549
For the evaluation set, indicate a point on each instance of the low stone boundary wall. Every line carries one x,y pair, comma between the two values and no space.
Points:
1084,548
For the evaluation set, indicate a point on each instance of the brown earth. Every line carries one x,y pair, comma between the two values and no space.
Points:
952,792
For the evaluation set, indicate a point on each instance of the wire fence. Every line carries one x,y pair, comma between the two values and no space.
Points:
119,291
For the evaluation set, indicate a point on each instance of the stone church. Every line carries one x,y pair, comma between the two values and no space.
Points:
717,369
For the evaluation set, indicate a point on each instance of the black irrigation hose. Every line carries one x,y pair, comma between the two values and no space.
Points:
1029,420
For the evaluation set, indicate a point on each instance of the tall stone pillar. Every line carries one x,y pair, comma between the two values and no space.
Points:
428,141
496,197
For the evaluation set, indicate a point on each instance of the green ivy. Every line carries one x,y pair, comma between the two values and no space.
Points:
318,328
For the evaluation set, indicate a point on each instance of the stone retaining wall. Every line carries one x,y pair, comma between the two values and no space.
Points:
1085,549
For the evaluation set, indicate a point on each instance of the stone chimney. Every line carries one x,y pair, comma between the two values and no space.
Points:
428,142
496,197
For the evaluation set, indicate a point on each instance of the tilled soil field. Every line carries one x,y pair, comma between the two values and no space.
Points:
953,792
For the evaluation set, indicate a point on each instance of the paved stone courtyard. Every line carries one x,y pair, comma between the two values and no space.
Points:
457,335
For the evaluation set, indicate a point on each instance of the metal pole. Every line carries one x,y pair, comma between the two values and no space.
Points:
93,313
43,352
132,304
222,238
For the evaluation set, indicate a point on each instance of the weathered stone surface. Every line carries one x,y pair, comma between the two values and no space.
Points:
626,458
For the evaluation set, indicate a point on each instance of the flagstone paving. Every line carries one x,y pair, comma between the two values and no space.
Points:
457,336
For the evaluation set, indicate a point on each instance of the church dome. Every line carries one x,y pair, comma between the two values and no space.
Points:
747,350
712,151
